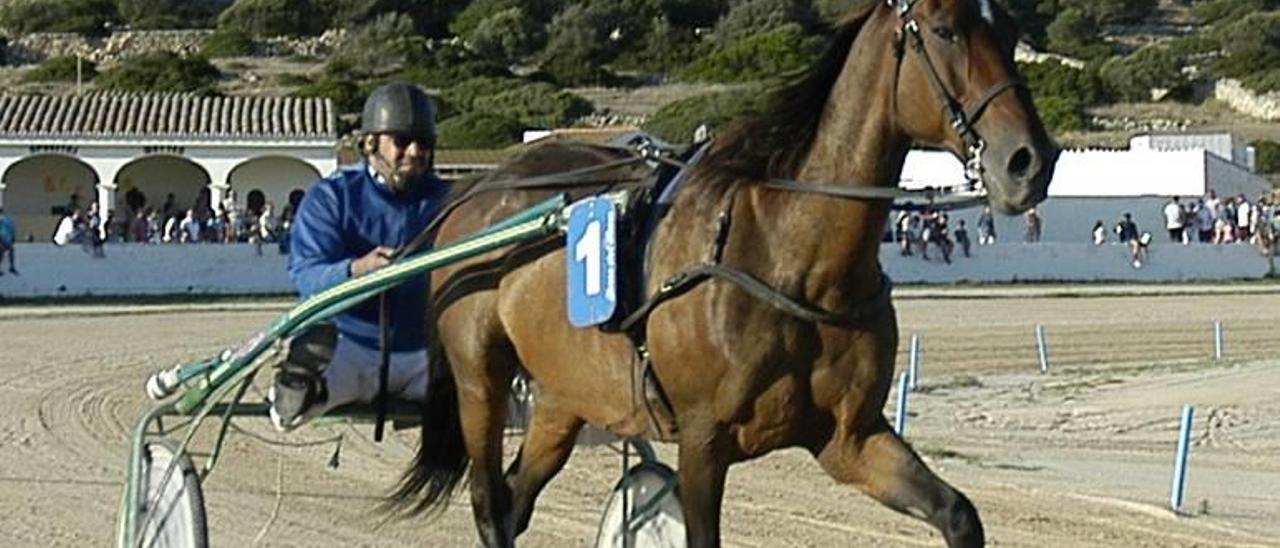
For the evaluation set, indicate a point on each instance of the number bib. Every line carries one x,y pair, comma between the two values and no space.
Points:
591,254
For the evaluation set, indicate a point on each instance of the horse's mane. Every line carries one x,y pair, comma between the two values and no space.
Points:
773,143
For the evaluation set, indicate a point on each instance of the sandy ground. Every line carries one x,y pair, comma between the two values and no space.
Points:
1079,457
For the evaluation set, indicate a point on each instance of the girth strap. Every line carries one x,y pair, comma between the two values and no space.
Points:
681,283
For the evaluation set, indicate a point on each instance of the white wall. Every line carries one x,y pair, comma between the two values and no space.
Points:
1079,262
138,269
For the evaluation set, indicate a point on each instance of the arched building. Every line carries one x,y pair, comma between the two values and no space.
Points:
61,152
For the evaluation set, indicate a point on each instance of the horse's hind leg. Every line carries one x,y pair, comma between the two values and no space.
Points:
881,465
547,445
483,363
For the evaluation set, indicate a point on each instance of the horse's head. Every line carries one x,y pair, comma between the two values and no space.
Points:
957,86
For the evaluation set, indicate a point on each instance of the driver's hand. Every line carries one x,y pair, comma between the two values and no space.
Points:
373,260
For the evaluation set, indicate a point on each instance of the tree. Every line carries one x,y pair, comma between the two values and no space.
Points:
834,10
765,55
479,130
1249,45
1061,113
162,71
584,37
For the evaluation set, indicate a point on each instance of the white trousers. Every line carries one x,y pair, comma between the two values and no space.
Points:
352,376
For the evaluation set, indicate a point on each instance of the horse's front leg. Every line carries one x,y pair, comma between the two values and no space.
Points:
704,462
881,465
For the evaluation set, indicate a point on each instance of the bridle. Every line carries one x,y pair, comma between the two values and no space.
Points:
962,118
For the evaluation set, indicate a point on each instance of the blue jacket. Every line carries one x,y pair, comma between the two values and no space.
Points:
343,217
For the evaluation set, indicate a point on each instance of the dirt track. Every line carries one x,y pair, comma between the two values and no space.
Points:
1081,457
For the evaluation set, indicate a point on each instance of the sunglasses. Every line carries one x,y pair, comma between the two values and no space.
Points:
403,141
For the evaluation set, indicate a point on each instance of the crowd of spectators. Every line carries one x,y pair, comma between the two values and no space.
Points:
1209,220
257,221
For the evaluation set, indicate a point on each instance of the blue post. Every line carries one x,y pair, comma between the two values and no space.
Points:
1217,340
900,418
1043,348
1180,461
914,367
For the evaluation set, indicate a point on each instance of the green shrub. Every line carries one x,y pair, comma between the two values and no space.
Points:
1226,11
765,55
227,43
585,37
1061,113
507,36
466,93
749,18
290,79
693,14
161,72
834,10
383,45
477,12
1263,81
479,130
1131,78
1267,156
345,94
1249,45
171,14
1112,11
1075,32
83,16
676,121
535,105
61,69
664,49
1054,79
266,18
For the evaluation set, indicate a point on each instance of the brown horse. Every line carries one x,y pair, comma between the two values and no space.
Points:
743,377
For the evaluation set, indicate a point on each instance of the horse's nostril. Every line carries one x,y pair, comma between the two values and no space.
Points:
1020,162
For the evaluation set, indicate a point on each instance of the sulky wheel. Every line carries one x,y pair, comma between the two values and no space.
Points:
171,514
653,504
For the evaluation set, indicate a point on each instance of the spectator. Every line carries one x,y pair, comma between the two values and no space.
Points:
1204,222
1099,233
190,228
1174,219
1126,229
139,227
962,237
1138,249
1035,223
70,229
8,236
900,231
986,227
267,224
1244,212
172,230
155,229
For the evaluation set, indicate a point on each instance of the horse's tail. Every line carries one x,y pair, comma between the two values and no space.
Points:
442,458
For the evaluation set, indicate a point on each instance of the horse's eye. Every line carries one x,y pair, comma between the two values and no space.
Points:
946,33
